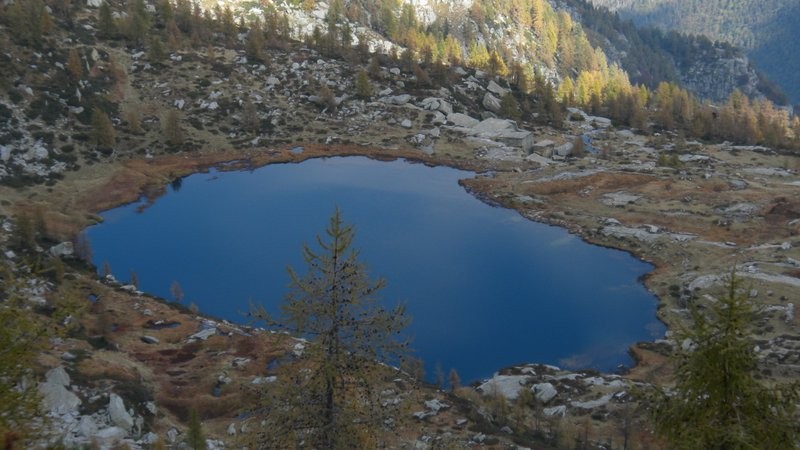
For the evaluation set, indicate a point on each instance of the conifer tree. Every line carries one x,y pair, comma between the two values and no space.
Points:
106,27
194,436
330,403
103,133
363,86
254,45
173,132
509,107
717,401
74,66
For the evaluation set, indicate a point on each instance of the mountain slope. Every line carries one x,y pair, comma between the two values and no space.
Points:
763,28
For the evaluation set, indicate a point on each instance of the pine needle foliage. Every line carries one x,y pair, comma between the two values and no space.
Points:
717,402
327,398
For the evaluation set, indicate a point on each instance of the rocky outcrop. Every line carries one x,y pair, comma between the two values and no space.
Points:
715,78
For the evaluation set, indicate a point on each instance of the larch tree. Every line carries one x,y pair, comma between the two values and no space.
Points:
717,401
103,133
363,86
74,66
173,131
328,399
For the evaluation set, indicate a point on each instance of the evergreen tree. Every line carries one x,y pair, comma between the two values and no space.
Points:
74,66
138,22
717,401
509,107
106,27
331,403
194,436
363,86
254,45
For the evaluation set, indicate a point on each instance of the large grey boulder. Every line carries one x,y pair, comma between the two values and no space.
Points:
119,416
462,120
544,392
496,89
55,396
491,103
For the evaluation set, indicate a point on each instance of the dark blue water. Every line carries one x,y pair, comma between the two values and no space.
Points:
486,288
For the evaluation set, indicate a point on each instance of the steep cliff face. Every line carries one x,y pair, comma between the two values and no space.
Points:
711,70
716,77
763,29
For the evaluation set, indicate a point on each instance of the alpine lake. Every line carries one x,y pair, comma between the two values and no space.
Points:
485,287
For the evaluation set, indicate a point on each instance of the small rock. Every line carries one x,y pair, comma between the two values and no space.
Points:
264,380
436,405
172,435
62,249
406,123
108,437
150,339
560,410
232,430
149,438
202,335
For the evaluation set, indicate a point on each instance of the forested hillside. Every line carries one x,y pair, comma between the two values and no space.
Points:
765,29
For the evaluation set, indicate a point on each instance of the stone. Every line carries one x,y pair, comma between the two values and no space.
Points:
58,376
591,404
398,100
94,3
87,427
462,120
232,430
202,335
149,339
149,438
544,392
436,405
509,386
55,396
406,123
172,435
62,249
560,411
417,139
496,89
264,380
109,437
119,416
491,102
